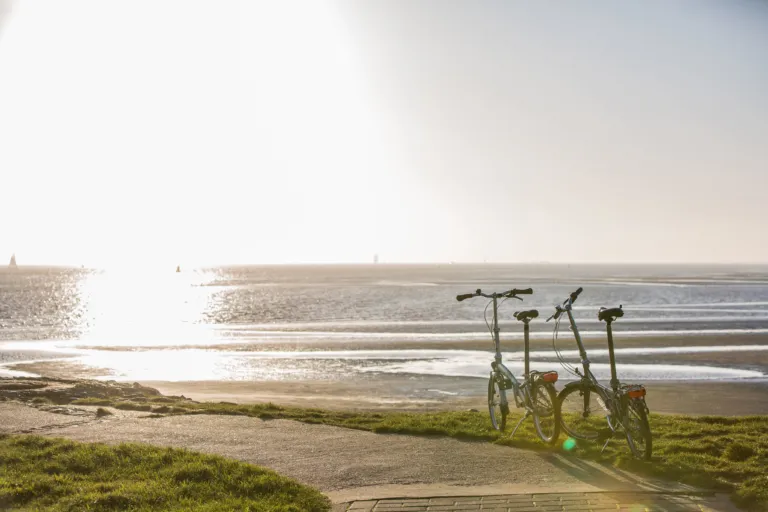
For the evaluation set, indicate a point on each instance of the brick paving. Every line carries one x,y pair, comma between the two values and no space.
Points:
561,502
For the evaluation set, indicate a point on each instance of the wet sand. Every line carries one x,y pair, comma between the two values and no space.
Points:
426,393
400,393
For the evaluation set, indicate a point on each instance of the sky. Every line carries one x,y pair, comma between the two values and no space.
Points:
169,132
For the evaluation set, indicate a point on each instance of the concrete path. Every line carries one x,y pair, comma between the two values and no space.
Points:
350,466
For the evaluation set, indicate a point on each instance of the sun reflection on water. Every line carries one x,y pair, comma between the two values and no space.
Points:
147,308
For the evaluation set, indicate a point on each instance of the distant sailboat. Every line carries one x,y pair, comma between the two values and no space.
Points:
12,264
375,259
178,268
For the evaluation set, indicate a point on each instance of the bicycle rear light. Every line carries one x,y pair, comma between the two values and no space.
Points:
549,377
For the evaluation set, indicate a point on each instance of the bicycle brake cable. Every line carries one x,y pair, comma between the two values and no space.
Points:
566,365
485,314
485,317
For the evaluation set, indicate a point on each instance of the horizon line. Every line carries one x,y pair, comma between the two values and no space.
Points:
395,264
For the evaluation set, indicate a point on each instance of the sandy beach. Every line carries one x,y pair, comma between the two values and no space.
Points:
699,398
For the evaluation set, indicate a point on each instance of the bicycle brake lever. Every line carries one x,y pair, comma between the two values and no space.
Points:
556,314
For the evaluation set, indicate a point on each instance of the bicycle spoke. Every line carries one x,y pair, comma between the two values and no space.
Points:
582,414
545,414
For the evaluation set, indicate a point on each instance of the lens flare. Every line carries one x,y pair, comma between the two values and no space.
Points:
569,444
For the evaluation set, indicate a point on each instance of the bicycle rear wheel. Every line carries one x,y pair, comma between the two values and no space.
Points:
638,430
582,411
497,404
546,412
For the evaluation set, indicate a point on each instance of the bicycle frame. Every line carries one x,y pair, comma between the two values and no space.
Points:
611,397
607,394
585,363
619,401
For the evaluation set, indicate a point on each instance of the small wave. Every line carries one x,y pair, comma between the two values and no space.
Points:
663,284
441,392
628,372
341,326
703,304
403,283
330,338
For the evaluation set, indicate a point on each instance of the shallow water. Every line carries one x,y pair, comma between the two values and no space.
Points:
168,326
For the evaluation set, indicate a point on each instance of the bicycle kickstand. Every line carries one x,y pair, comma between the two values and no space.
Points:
527,413
606,433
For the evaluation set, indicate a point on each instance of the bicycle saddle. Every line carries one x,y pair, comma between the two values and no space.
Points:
526,315
609,315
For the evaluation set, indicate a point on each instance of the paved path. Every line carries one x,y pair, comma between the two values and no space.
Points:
350,466
546,502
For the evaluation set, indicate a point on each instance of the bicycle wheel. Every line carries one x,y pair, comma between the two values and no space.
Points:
583,412
546,413
638,430
497,405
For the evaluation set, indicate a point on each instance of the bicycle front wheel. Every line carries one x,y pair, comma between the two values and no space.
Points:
546,413
583,412
497,404
638,430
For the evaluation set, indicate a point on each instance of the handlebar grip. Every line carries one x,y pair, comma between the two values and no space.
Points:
575,294
464,296
527,291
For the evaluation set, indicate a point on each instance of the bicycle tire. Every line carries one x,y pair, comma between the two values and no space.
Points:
496,408
639,439
580,421
546,412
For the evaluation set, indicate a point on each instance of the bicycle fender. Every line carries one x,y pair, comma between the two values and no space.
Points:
576,384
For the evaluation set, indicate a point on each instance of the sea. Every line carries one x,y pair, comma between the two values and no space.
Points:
326,322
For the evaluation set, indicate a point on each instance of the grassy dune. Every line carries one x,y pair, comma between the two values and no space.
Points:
38,473
722,453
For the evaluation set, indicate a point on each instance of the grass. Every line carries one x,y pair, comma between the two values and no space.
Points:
721,453
38,473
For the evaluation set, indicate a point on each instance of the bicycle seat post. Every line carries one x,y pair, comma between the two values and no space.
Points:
496,330
526,334
614,378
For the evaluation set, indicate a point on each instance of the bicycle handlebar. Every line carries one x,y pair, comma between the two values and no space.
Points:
514,292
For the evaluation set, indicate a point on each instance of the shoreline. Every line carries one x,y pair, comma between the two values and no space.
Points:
414,392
